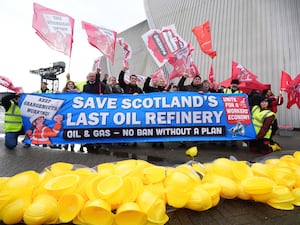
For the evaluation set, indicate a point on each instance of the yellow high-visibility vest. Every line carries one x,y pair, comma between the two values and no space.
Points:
258,117
229,91
13,119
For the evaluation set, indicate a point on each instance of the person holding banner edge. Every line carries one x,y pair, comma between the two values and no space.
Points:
13,123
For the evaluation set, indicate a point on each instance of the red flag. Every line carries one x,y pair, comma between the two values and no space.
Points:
194,69
211,75
159,74
225,83
6,82
284,81
101,38
179,66
293,91
126,51
241,73
54,28
203,36
246,78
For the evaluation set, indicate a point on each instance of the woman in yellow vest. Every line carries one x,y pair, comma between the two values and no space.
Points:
13,125
262,119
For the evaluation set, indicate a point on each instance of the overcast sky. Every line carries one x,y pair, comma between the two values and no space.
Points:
21,50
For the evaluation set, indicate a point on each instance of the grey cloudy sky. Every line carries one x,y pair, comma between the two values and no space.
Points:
22,50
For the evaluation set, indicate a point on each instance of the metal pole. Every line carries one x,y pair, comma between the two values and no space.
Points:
108,67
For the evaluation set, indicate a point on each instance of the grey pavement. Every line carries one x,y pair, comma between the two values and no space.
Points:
229,212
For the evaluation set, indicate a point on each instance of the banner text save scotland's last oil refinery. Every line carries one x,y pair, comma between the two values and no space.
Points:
155,116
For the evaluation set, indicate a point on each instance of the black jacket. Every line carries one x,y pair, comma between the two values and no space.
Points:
128,88
6,100
147,88
97,87
191,87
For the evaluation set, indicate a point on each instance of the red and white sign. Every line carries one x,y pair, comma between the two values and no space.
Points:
237,110
159,74
163,44
101,38
182,63
54,28
127,52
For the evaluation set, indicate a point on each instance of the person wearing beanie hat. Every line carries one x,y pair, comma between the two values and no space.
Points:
234,87
195,86
274,102
263,119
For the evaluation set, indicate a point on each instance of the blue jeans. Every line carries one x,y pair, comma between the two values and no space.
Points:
11,139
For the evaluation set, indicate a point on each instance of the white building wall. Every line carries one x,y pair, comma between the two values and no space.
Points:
262,35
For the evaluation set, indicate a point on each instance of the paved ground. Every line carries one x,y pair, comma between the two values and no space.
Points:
227,212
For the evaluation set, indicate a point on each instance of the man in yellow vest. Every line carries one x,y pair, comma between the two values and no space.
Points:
234,87
13,124
44,88
263,119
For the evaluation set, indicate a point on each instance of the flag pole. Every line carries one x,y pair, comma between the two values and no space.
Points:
108,66
69,66
279,100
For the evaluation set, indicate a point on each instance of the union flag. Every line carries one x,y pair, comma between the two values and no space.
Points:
203,36
101,38
54,28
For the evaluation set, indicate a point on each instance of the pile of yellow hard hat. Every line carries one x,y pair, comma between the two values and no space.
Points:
137,192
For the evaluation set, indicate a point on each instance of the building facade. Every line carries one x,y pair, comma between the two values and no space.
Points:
261,35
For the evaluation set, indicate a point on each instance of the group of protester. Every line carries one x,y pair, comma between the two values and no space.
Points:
263,105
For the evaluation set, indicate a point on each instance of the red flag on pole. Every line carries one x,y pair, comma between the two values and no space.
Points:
284,81
126,51
241,73
246,78
203,36
182,63
159,74
7,83
211,75
54,28
101,38
194,69
293,91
